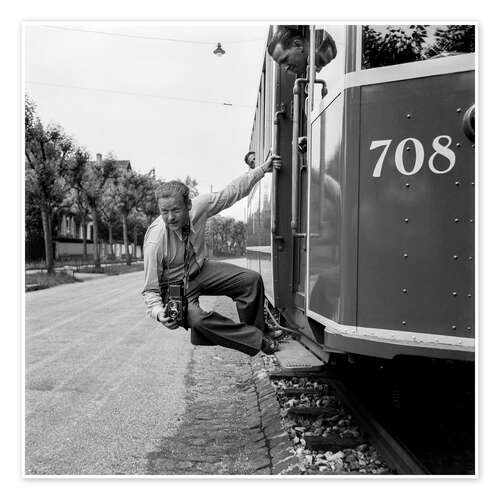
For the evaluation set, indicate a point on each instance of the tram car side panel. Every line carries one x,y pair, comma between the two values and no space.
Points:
259,246
416,209
386,197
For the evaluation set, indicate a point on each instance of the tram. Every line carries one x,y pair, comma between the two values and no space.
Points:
365,237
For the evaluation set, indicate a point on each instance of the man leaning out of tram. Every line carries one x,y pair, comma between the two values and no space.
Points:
290,49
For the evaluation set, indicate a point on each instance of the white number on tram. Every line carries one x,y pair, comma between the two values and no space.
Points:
441,146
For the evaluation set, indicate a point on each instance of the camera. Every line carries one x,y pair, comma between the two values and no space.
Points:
176,304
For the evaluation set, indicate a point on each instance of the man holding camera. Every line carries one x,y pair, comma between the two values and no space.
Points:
177,271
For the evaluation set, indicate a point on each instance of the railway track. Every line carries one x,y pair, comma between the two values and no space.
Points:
333,432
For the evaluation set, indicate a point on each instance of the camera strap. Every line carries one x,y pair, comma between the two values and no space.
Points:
186,260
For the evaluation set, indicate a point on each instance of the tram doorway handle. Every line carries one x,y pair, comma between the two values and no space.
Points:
297,91
274,223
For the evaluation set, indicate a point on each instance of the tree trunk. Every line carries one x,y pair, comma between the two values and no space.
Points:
110,239
97,257
125,239
135,242
84,236
47,236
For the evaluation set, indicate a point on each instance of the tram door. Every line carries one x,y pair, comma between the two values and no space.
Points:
298,185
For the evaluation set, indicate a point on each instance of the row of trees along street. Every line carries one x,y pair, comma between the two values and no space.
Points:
60,178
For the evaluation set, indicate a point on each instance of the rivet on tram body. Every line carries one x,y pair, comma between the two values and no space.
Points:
472,183
408,149
407,220
470,257
407,185
460,342
414,338
408,115
471,220
455,257
457,144
403,323
459,110
469,328
469,295
453,327
405,290
456,220
405,255
473,146
457,183
454,294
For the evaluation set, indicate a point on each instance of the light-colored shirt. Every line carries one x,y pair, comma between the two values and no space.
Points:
164,248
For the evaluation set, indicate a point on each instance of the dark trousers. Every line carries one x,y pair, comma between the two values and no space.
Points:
246,288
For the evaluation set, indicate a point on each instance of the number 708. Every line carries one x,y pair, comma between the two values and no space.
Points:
439,149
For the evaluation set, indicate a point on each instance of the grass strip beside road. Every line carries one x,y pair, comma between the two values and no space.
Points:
113,270
44,280
39,281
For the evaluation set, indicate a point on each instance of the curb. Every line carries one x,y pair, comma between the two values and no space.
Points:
283,460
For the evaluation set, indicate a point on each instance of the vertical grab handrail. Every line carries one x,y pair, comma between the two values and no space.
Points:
275,151
297,87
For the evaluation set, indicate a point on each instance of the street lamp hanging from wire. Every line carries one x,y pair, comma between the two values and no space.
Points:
219,51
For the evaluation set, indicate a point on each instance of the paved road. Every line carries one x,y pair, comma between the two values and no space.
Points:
104,384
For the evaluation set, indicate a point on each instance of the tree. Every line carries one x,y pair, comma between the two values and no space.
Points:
401,44
89,179
76,199
192,184
226,236
109,214
47,149
95,176
146,196
138,223
453,39
126,188
396,46
238,236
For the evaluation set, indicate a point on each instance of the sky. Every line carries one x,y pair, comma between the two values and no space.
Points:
159,103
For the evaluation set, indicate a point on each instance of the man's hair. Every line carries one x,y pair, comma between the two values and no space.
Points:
173,188
284,36
247,156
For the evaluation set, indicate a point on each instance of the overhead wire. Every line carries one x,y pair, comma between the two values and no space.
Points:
144,37
139,94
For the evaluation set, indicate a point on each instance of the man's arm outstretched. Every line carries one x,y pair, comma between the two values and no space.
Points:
240,187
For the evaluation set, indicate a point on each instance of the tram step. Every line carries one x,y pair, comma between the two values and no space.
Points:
293,355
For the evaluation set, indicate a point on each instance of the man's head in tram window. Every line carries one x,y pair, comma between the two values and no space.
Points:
290,49
250,159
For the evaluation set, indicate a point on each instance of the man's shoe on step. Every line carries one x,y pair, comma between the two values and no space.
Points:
269,346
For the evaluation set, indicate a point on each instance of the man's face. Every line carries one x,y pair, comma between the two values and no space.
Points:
251,160
174,212
293,59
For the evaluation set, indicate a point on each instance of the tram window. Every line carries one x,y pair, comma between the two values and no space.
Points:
389,45
333,72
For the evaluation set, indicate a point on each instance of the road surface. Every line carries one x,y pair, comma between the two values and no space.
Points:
104,383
